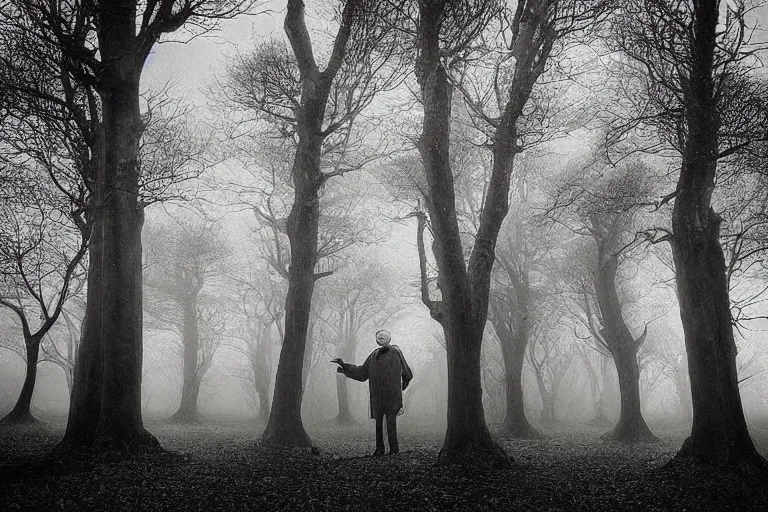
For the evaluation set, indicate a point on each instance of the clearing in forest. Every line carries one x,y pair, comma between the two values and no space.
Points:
218,466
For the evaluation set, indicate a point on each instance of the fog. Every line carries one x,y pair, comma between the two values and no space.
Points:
499,229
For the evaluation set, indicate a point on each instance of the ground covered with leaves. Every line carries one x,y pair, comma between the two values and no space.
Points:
220,466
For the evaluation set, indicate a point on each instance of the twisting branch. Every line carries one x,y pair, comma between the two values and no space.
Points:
435,307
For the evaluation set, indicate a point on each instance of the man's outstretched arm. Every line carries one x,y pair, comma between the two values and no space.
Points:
353,371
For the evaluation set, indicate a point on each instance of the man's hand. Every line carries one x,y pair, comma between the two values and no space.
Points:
339,362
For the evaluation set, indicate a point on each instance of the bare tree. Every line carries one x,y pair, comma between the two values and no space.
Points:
181,264
363,293
42,243
317,109
105,46
261,300
516,293
608,323
693,68
446,33
550,358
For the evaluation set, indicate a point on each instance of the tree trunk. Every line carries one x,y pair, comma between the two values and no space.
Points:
120,422
513,349
20,414
309,346
190,389
116,358
719,430
631,426
345,416
467,438
85,397
547,400
463,310
548,408
285,426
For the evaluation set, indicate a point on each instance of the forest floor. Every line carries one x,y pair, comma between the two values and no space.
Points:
218,466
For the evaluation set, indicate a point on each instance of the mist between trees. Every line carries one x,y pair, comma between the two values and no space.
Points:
558,208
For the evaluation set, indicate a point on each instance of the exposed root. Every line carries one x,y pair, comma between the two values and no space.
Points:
631,433
16,418
487,455
741,459
285,436
519,430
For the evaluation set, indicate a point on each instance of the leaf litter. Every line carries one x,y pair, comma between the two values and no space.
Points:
221,466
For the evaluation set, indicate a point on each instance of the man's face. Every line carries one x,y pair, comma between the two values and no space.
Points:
382,339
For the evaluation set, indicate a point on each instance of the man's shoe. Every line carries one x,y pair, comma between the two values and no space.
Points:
394,451
378,453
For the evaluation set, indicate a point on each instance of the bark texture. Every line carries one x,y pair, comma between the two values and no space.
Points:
285,427
631,426
719,430
105,410
463,310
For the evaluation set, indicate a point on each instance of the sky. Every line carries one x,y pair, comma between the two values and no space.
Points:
193,66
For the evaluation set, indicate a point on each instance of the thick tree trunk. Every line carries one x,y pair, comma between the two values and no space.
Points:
513,348
117,298
631,426
20,414
120,422
464,307
190,389
285,426
309,346
85,398
719,430
467,438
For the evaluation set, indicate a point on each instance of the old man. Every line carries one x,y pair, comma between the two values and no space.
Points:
388,375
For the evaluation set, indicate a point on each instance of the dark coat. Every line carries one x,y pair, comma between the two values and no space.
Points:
388,375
